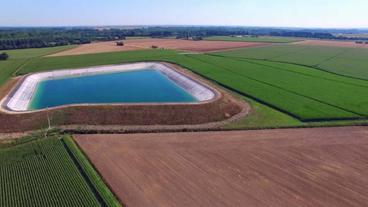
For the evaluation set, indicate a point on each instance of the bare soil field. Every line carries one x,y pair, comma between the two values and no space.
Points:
285,167
98,47
331,43
139,44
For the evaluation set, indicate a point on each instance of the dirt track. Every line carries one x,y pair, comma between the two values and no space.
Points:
292,167
331,43
139,44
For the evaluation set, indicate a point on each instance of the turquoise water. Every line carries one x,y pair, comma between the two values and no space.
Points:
144,86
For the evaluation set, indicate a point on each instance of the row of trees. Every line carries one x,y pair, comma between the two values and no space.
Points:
9,44
319,35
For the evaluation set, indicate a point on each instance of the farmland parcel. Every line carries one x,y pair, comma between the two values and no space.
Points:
302,92
346,61
281,92
287,92
292,167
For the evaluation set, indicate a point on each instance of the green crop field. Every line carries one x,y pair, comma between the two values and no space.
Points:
266,39
18,58
350,62
49,172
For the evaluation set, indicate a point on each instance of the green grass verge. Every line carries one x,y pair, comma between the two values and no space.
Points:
98,183
266,39
262,116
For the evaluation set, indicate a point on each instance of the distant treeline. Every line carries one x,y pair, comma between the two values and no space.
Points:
16,38
302,34
50,37
4,56
317,35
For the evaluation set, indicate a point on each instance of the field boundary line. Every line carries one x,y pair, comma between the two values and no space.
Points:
110,198
84,174
292,92
20,67
78,129
273,106
279,68
297,64
332,57
284,54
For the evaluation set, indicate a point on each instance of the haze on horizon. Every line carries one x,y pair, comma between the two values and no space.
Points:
282,13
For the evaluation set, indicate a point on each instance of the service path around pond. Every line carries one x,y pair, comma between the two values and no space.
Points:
283,167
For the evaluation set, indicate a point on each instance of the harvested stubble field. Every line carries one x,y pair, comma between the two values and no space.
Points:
141,44
291,167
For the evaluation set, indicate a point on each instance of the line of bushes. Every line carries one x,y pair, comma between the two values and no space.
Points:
4,56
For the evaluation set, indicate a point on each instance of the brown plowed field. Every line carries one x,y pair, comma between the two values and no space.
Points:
139,44
331,43
291,167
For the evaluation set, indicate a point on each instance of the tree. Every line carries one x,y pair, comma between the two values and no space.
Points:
120,43
4,56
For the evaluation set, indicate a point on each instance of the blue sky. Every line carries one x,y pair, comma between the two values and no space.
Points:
286,13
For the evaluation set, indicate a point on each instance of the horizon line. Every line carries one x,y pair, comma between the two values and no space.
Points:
182,25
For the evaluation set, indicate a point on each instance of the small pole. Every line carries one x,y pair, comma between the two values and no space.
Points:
48,122
48,118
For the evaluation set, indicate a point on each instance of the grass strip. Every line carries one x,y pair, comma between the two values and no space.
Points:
99,185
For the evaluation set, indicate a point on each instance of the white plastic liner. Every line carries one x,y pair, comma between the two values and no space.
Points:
20,100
